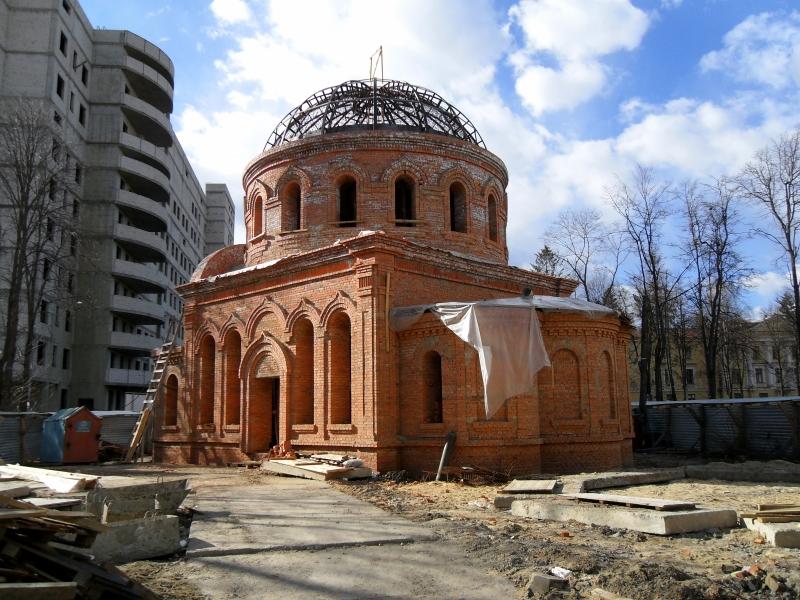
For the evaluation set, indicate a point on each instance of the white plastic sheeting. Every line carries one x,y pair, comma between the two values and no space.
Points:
506,335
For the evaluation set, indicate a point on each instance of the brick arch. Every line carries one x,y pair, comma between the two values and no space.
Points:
231,354
340,302
267,306
293,173
258,187
304,309
234,322
209,327
403,166
461,175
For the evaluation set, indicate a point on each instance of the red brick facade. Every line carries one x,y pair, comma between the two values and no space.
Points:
287,337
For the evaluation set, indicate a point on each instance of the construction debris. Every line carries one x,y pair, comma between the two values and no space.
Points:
43,554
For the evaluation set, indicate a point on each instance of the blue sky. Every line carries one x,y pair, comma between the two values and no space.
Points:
570,93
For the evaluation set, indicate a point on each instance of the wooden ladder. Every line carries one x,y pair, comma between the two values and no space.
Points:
154,387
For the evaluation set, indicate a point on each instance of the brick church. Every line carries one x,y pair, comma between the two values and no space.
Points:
368,197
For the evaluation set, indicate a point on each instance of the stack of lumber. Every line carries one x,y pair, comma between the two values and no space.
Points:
43,554
774,513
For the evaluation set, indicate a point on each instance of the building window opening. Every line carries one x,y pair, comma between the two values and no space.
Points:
207,352
458,208
339,367
432,380
233,358
492,208
292,206
171,402
258,216
347,215
304,372
404,202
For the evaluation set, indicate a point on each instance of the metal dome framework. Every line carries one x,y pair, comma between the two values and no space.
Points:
374,104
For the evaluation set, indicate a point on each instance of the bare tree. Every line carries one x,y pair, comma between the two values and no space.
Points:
34,165
591,251
772,182
713,238
645,205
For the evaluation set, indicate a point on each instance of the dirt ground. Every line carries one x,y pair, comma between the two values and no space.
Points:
633,565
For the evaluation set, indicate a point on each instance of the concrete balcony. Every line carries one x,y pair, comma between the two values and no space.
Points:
138,310
147,120
152,215
150,85
152,176
127,377
140,149
144,245
145,278
150,54
141,344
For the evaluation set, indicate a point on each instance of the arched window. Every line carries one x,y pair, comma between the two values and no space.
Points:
432,392
492,207
258,216
346,203
232,353
207,352
339,365
404,213
304,372
171,401
291,207
458,207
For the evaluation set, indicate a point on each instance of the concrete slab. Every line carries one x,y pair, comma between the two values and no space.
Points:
530,486
646,521
612,479
129,498
136,539
290,514
781,535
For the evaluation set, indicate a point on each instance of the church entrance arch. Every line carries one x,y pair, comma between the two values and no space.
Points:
264,373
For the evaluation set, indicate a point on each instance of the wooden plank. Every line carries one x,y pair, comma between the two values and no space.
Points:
19,513
633,501
59,481
760,507
530,486
50,590
777,519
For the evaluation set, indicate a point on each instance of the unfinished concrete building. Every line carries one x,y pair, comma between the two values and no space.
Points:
371,196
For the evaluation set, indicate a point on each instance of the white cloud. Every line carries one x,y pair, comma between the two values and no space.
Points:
544,89
669,4
763,49
231,11
573,35
579,30
767,285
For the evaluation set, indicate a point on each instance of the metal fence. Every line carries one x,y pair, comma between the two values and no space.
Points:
755,427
